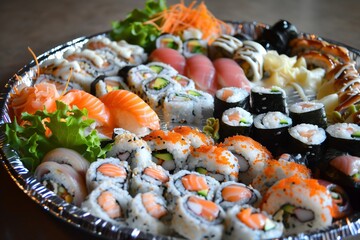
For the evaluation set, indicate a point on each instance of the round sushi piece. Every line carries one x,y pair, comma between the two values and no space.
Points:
135,75
108,169
235,121
204,108
344,137
233,193
271,130
169,149
187,182
275,170
148,212
224,46
63,180
198,218
149,179
214,161
130,148
247,222
196,137
162,68
104,84
308,112
195,46
109,202
169,41
271,99
300,204
178,107
308,140
230,97
250,155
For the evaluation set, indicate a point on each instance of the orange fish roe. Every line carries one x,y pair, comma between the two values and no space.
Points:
221,154
187,131
254,144
160,135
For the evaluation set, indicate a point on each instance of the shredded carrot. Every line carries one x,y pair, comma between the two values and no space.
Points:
36,61
179,17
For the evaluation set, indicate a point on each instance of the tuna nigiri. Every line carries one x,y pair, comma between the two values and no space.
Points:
169,56
130,112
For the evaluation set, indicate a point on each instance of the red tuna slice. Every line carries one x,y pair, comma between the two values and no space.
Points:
230,74
169,56
200,69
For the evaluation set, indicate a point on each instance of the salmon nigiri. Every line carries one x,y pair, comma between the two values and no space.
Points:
130,112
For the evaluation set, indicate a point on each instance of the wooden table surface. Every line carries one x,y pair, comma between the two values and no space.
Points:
42,25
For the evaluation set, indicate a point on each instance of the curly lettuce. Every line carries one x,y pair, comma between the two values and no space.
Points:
41,132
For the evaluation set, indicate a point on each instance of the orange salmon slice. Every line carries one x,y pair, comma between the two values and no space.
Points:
156,174
234,193
227,93
194,182
204,208
112,170
155,209
252,220
108,203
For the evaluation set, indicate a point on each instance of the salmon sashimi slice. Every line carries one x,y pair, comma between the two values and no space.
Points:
112,170
108,203
155,209
204,208
131,112
193,182
235,193
157,174
347,164
83,100
252,220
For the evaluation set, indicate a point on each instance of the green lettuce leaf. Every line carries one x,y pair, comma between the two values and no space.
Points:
68,129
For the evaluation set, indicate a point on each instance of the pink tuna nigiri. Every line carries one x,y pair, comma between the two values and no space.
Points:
230,74
200,69
169,56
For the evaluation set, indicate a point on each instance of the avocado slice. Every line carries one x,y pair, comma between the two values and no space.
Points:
274,89
194,93
164,156
269,224
288,208
201,170
356,134
156,68
283,121
203,192
159,83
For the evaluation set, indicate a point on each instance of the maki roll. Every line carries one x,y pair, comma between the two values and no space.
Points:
247,222
194,136
162,68
271,130
108,169
308,112
268,100
104,84
235,121
344,137
185,82
169,149
224,46
300,204
130,148
250,155
204,104
195,46
135,75
61,84
197,218
230,97
308,140
148,212
233,193
179,107
214,161
169,41
151,178
190,182
109,202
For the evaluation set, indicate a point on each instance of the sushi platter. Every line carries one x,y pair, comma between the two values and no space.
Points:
128,144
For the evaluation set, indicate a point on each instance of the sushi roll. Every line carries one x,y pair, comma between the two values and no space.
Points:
104,84
63,180
250,57
154,90
169,149
185,82
196,137
250,155
178,107
130,148
197,218
235,121
61,84
275,170
214,161
230,97
308,140
135,75
308,112
187,182
204,104
109,202
162,68
233,193
344,137
169,41
195,46
300,204
268,100
224,46
271,130
148,212
108,169
247,222
151,178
